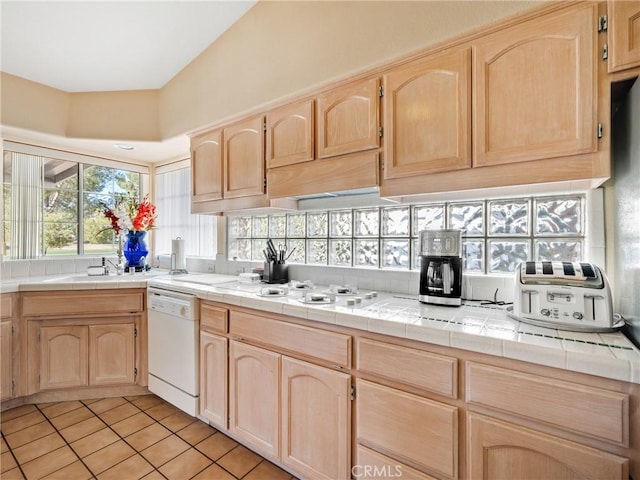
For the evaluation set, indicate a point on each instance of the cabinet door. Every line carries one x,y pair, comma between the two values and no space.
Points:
111,354
213,379
417,431
535,89
206,167
498,450
624,34
427,116
254,389
290,134
244,159
316,420
6,357
64,355
348,119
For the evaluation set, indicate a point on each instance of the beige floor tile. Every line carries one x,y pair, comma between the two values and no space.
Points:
49,463
239,461
91,400
155,475
38,447
17,412
73,471
196,432
214,472
160,453
145,402
186,465
71,418
178,421
132,424
119,413
147,436
20,423
29,434
7,462
132,468
52,410
108,457
162,411
94,442
3,446
267,471
216,445
82,429
106,404
13,474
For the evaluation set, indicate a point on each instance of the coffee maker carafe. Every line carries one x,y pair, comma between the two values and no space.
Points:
441,267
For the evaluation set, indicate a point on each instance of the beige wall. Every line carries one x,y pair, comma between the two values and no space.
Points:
277,49
33,106
115,115
280,48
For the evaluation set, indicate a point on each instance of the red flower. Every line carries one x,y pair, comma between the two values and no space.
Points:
130,215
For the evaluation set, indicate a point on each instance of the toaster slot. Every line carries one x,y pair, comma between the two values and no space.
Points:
528,301
587,270
595,308
547,268
568,269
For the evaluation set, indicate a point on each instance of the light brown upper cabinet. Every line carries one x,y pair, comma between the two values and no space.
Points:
427,115
243,153
348,119
206,167
624,34
290,134
535,89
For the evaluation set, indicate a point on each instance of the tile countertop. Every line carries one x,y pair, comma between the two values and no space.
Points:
479,328
485,329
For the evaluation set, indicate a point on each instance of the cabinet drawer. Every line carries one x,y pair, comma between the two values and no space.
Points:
6,306
331,347
585,410
74,303
371,464
428,371
417,431
214,319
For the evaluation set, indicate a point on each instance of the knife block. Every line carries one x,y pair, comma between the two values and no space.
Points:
276,272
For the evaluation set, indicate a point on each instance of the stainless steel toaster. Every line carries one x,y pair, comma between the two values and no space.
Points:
564,295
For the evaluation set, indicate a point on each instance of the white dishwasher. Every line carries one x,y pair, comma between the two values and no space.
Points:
173,333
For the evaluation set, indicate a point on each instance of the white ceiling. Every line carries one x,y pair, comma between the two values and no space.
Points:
88,46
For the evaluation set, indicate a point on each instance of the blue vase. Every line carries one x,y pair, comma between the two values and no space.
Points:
135,249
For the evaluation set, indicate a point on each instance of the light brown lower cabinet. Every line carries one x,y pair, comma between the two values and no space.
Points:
7,337
111,354
371,464
81,355
316,420
64,361
6,365
254,390
411,429
500,450
294,411
213,379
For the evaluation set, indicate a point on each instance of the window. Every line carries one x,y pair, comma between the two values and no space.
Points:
173,200
498,234
54,206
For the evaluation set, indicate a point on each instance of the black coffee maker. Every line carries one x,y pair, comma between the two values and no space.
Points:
441,267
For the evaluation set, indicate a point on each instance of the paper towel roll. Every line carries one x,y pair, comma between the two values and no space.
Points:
177,254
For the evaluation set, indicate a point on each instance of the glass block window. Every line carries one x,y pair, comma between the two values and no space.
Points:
498,234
